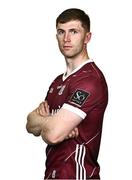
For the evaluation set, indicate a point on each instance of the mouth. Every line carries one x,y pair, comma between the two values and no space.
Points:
67,47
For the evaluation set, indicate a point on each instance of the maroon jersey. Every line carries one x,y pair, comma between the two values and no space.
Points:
85,93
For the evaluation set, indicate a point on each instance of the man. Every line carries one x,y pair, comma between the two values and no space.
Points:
70,119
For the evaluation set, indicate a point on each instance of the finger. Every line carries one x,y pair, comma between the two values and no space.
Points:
76,132
69,136
46,106
41,109
73,133
37,110
66,137
41,112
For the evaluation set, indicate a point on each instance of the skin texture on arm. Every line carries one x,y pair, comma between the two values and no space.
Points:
53,129
60,126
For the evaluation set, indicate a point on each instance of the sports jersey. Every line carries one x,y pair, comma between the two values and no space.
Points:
85,93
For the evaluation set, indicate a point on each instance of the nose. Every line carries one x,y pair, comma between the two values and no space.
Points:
67,37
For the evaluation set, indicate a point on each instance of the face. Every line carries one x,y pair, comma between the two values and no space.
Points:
72,38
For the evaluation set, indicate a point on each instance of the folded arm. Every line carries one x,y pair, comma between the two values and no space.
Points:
57,127
53,129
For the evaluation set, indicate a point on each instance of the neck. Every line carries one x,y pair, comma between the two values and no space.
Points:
73,63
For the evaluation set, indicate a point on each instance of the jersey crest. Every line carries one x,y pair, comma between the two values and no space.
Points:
61,90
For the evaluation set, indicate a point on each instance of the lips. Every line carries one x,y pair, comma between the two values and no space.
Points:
67,47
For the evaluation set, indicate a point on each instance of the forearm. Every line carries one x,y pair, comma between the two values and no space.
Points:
57,127
49,131
53,129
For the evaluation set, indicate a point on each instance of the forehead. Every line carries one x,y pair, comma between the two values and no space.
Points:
74,24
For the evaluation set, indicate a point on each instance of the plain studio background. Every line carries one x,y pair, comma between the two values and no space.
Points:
30,60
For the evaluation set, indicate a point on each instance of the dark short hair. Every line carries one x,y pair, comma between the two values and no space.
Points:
74,14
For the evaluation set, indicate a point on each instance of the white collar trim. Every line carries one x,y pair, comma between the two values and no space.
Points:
75,70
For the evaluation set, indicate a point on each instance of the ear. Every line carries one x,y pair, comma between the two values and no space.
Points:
87,37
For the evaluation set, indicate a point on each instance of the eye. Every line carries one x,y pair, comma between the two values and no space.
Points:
73,31
60,32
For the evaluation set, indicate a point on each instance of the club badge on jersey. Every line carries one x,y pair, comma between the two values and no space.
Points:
61,90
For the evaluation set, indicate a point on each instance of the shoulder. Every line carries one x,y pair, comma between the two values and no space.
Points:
90,79
90,74
56,81
92,70
58,78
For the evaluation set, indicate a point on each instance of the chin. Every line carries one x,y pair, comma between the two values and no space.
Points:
68,55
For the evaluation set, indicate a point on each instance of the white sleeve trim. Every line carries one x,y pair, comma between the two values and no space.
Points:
75,110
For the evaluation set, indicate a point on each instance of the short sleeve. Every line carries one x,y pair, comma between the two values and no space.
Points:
84,95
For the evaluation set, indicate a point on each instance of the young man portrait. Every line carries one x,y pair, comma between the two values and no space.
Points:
71,117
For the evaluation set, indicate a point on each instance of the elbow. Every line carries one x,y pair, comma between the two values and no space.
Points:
32,129
51,139
28,125
28,128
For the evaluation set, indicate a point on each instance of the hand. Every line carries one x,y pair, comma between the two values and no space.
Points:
43,109
73,134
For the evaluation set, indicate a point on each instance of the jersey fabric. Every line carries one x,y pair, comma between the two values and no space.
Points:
85,93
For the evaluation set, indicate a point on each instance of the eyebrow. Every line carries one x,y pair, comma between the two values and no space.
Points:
71,29
60,29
